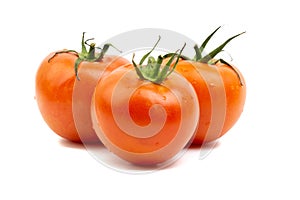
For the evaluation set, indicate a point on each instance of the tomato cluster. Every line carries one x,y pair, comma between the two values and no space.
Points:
144,113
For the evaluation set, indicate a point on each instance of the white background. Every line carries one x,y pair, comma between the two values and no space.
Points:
257,159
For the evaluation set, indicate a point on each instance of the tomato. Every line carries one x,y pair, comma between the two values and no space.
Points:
221,97
220,88
64,100
145,120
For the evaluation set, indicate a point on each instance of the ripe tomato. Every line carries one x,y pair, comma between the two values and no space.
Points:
144,114
220,88
63,100
143,122
221,97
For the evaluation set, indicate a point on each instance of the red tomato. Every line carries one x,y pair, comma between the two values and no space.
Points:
221,97
220,88
145,114
62,98
143,122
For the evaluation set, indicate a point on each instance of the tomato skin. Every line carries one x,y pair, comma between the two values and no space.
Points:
54,86
142,122
229,89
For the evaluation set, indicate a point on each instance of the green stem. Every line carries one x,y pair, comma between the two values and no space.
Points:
200,50
137,69
77,63
209,58
154,71
83,48
238,75
64,51
177,60
92,52
198,55
183,57
212,54
147,54
104,50
88,56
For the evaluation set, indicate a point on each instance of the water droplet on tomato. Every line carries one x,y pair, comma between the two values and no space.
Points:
212,85
184,99
234,87
194,82
184,70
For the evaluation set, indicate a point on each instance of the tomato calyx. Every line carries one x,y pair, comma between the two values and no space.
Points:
199,50
154,71
90,55
210,57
